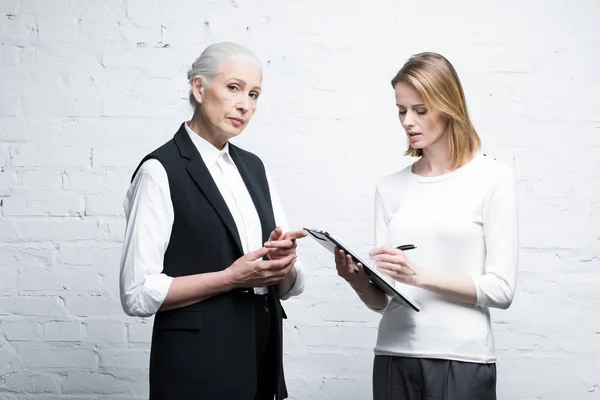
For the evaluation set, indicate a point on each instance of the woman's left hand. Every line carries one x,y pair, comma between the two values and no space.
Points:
283,244
393,262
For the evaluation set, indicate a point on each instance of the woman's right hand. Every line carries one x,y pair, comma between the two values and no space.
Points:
251,270
345,268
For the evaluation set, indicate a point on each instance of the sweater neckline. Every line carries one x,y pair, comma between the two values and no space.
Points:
442,177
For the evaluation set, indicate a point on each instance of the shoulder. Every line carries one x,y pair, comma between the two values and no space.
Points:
156,161
245,153
165,151
247,156
492,169
394,181
150,175
152,167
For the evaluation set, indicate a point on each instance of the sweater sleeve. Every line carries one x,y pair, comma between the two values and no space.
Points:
380,220
381,237
496,287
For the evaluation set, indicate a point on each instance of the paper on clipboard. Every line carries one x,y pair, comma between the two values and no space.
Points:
377,278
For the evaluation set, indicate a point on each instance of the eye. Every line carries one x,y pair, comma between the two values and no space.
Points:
421,112
233,87
254,95
402,112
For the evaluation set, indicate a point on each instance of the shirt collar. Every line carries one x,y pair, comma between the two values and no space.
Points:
208,152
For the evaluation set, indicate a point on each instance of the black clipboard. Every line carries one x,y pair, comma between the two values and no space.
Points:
330,243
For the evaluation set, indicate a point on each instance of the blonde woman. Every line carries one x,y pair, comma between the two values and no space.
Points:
458,206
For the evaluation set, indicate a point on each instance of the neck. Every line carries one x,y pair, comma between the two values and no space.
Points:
435,160
202,129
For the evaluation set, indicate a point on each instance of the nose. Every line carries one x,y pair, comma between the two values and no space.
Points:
408,121
243,104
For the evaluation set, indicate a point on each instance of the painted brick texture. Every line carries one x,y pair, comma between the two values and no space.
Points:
89,87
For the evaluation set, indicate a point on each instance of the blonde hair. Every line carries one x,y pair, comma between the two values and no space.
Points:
435,79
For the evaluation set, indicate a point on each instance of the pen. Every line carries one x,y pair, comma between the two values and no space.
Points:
405,247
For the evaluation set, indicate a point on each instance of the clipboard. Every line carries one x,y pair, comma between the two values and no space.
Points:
330,243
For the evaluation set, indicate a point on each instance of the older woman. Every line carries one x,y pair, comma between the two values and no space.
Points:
206,249
459,208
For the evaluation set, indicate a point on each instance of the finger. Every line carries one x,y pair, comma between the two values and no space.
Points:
361,269
289,267
276,234
385,250
281,244
340,255
279,253
391,250
350,264
387,258
340,263
279,274
391,274
282,272
398,269
257,254
376,251
280,263
293,235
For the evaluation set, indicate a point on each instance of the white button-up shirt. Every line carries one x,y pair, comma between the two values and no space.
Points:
150,216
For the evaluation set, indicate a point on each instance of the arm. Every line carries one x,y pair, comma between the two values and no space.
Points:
293,282
145,289
149,215
457,287
369,294
394,263
188,290
374,298
496,287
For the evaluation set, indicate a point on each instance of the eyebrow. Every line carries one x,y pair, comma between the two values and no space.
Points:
243,82
414,105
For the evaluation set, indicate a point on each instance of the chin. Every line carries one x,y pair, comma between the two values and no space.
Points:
417,146
231,132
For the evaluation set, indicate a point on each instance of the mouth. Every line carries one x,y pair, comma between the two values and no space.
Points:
236,121
413,135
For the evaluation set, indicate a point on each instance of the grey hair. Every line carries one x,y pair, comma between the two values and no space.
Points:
212,59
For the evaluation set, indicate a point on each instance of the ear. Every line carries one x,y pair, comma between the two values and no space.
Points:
198,89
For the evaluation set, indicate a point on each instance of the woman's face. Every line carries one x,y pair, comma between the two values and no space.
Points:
423,127
227,104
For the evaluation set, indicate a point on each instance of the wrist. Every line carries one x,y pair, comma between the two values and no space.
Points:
227,279
361,287
424,278
286,284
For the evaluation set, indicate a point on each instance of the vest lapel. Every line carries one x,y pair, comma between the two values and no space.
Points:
201,176
260,198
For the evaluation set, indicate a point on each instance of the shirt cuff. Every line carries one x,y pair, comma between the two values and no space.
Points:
479,292
298,285
152,296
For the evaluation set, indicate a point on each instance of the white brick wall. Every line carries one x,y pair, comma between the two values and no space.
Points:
87,88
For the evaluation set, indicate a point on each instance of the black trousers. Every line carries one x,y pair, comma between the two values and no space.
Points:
405,378
266,366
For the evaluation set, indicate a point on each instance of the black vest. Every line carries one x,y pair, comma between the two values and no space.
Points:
207,350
